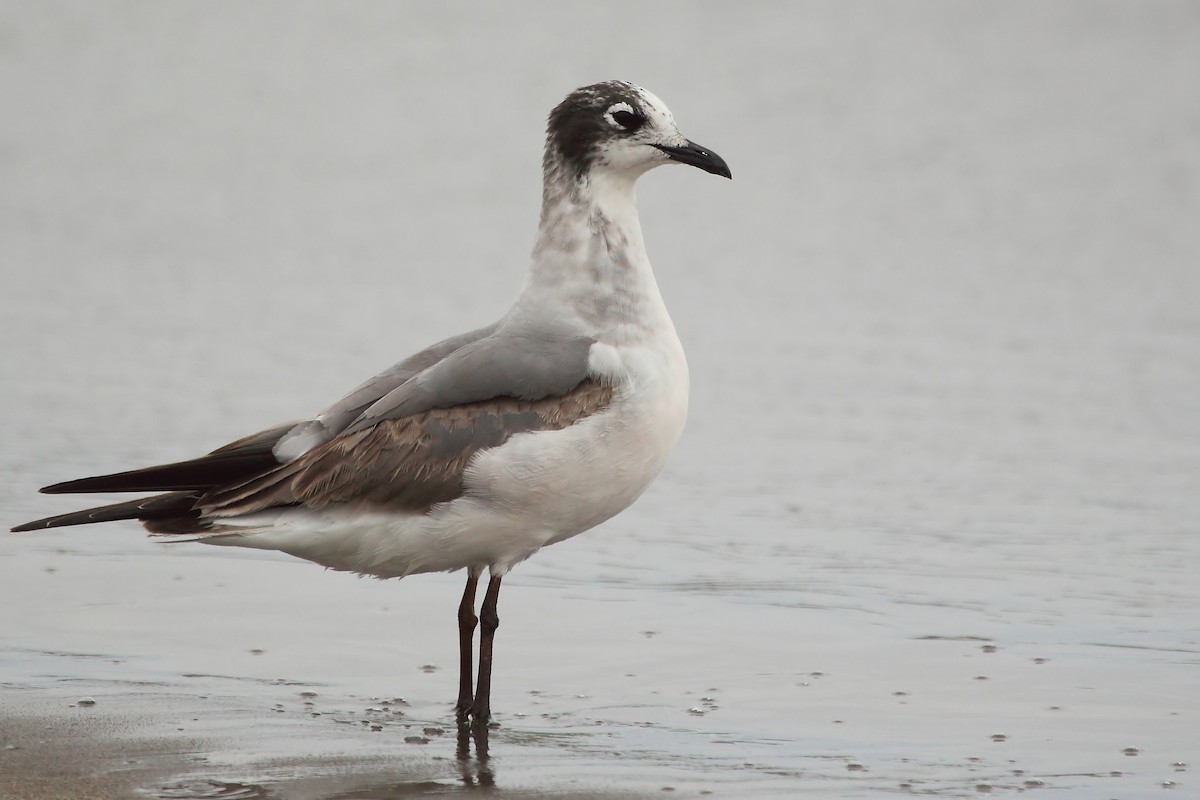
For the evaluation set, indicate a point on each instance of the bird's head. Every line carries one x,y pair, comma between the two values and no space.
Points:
621,128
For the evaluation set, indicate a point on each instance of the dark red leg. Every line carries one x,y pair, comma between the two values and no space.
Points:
466,634
481,709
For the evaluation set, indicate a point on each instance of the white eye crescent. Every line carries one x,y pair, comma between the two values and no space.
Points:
622,117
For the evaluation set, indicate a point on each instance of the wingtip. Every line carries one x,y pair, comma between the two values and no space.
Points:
65,487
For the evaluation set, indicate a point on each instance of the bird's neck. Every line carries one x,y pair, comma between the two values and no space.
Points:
589,266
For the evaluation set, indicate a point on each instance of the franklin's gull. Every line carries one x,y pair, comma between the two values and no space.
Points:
482,449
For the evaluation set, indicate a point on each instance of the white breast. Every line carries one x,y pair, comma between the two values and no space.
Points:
558,484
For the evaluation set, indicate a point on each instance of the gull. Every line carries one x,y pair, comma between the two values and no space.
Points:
481,449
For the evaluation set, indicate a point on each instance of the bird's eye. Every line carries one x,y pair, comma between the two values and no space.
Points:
622,117
627,120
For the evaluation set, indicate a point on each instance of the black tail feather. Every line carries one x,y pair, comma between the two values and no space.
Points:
182,476
173,506
183,481
237,461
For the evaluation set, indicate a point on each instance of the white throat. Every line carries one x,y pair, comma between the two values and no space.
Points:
589,267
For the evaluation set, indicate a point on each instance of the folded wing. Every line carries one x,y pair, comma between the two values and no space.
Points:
387,447
407,464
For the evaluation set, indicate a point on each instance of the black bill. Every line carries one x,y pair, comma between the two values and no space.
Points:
697,156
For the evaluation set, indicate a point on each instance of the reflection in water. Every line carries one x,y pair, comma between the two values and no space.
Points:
477,773
393,791
475,770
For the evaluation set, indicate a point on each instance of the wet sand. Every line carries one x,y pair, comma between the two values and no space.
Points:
174,745
737,688
932,528
55,752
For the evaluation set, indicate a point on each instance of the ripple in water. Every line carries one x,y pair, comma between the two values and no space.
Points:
203,789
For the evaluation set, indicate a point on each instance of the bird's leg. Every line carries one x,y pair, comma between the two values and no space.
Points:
489,620
466,633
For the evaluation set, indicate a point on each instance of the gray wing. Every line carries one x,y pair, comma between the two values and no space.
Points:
521,365
405,449
263,451
410,448
329,423
410,463
346,410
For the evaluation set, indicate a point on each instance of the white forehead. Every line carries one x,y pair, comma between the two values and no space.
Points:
654,107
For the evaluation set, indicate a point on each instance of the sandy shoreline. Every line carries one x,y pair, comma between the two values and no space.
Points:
177,747
50,750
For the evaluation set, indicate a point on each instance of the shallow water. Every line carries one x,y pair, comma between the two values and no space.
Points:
933,525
